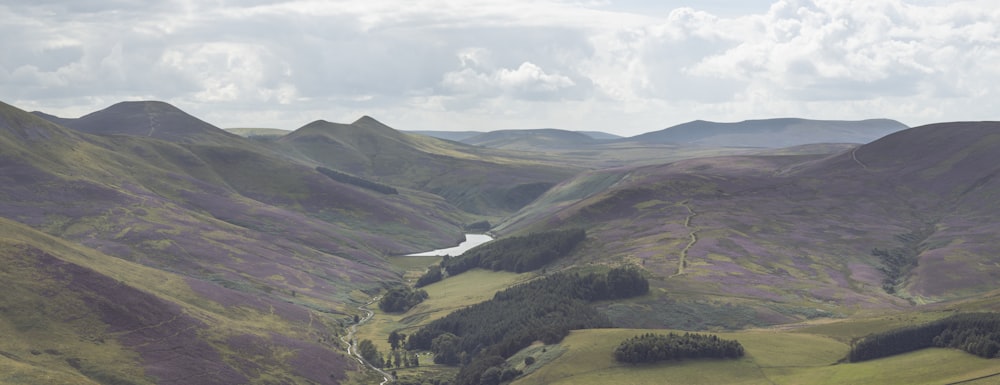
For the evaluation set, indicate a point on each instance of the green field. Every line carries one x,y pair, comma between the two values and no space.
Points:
773,357
450,294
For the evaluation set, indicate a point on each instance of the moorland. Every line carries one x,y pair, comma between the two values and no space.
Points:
142,245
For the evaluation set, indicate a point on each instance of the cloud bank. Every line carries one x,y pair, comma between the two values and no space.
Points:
624,67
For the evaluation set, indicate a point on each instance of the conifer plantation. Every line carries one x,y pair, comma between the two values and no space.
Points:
650,348
975,333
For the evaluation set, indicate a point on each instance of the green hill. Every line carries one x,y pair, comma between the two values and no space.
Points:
480,181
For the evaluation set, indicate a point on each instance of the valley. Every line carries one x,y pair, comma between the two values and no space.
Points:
143,245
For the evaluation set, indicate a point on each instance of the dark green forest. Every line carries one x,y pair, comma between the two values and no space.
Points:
649,348
356,181
400,299
482,336
975,333
517,254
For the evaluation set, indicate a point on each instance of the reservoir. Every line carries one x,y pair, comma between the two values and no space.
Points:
471,240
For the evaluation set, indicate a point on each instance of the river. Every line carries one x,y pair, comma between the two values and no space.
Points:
471,240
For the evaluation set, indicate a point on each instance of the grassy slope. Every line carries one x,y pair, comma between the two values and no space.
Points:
772,358
448,295
74,315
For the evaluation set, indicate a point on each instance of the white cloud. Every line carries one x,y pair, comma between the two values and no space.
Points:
526,80
451,64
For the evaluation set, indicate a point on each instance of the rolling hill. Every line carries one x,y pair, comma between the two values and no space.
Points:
531,140
770,239
146,118
480,181
771,133
235,216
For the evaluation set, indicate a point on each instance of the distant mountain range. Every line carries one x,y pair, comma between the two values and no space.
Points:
765,133
772,133
465,136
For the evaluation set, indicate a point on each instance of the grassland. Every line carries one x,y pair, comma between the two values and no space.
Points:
773,357
450,294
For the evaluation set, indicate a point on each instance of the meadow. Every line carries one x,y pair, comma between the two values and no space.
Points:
773,357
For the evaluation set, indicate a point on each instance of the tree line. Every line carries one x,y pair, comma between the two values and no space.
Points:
975,333
400,299
649,348
517,254
397,358
356,181
482,336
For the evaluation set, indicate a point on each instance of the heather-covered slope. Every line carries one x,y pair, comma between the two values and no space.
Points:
947,175
771,133
774,238
146,118
477,180
70,314
235,214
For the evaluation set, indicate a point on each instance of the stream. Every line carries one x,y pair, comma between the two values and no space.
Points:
471,240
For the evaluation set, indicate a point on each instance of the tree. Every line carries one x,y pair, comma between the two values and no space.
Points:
370,353
490,377
446,349
509,374
395,339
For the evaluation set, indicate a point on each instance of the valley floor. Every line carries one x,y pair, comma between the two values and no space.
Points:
772,358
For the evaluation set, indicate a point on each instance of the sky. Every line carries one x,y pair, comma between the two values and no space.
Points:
623,67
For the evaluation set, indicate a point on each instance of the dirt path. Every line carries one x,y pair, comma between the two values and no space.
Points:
854,155
352,342
153,123
693,234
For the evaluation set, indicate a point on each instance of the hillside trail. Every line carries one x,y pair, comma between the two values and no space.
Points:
352,342
854,155
153,123
692,234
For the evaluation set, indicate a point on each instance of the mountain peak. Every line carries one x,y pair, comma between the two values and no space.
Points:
149,118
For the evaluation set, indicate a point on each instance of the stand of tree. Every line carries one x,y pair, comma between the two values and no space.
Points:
400,299
975,333
432,275
370,353
517,254
481,336
356,181
649,348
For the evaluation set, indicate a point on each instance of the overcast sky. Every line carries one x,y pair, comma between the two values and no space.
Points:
624,67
